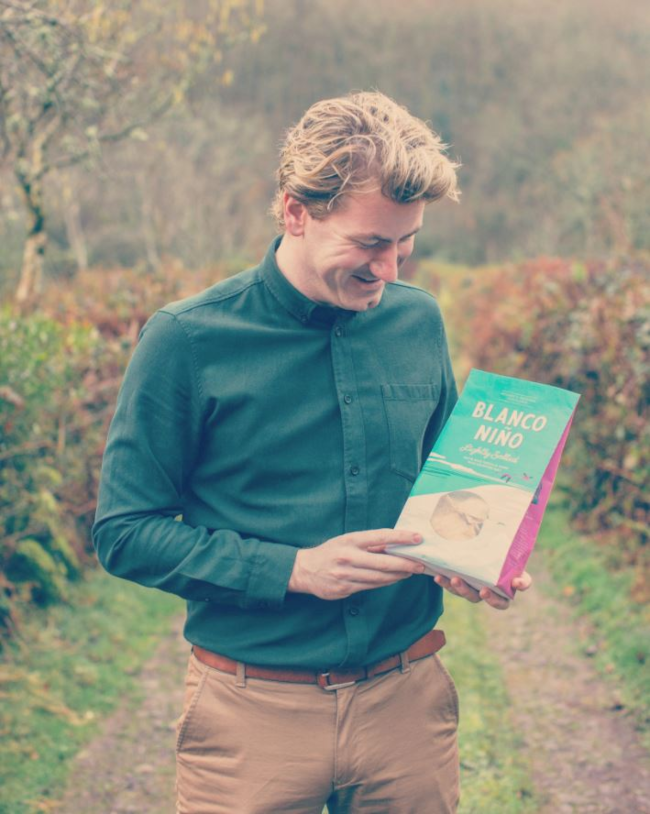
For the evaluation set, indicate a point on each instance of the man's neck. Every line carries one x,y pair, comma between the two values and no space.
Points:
288,260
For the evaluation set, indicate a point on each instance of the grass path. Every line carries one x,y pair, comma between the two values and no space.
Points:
129,768
62,678
580,737
541,731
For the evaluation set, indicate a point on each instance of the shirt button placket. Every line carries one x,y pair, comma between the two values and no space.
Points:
354,474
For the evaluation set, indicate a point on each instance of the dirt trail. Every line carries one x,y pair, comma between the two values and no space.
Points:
129,768
585,752
583,744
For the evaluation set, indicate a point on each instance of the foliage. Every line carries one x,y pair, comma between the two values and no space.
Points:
116,302
79,74
586,327
76,76
52,420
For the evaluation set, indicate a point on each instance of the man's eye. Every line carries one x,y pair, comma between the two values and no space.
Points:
368,245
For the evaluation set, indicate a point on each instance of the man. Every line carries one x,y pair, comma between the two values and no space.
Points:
285,413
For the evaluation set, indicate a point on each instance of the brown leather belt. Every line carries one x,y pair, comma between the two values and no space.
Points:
429,644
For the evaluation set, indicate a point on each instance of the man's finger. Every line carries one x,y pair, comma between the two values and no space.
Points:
366,577
458,587
386,563
494,600
379,538
523,582
465,590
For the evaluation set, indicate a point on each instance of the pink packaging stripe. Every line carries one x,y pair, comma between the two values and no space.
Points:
522,545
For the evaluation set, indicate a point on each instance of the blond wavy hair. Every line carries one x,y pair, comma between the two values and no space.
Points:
357,142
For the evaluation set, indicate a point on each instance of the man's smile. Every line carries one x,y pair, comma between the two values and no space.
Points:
368,282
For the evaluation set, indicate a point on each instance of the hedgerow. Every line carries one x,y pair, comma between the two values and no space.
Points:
60,371
586,327
52,417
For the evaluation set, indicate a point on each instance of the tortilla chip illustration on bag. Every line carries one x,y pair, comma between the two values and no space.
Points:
459,515
480,497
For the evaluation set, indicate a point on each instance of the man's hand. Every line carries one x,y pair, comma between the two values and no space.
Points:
459,587
353,562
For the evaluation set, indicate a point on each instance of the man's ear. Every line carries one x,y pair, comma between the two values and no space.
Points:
295,215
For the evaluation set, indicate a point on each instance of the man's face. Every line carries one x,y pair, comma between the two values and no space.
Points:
347,258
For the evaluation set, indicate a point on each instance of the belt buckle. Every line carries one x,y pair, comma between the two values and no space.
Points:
330,687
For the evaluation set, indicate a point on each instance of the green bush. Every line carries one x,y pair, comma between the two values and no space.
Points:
57,386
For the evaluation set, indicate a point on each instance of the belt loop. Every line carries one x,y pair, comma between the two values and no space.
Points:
405,664
241,675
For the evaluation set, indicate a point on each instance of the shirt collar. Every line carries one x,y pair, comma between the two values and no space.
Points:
302,308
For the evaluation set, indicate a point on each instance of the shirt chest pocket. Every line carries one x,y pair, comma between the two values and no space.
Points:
408,409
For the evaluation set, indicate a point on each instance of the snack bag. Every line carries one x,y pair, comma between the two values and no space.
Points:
480,497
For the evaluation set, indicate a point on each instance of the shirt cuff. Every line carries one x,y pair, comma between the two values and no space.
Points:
269,577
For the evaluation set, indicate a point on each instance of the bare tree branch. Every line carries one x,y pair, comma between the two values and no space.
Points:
4,112
106,138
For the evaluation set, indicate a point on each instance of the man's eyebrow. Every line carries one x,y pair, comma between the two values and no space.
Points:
369,237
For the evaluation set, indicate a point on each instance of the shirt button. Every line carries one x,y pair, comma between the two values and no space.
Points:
347,398
338,330
354,470
354,611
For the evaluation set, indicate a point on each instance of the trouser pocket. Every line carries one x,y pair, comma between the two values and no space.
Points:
195,680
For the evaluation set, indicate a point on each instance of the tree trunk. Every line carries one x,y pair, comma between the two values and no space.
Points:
31,274
148,226
73,226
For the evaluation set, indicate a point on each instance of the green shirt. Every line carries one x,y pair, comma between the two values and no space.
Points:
272,423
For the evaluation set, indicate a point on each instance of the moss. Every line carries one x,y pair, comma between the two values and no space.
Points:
33,564
61,550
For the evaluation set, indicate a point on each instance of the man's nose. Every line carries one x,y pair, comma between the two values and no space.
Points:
385,265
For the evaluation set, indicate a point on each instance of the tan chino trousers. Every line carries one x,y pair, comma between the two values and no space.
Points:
384,746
